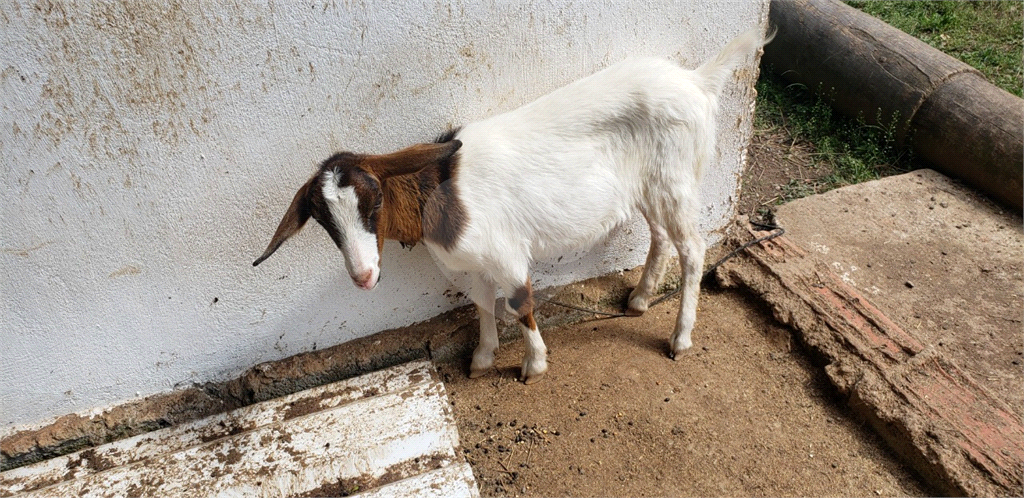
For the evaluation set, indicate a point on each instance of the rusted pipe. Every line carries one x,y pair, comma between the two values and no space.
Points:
944,109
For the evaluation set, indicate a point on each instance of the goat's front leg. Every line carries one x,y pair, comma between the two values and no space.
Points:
654,270
535,361
483,294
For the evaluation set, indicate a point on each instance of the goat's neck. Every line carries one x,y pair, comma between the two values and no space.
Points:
401,212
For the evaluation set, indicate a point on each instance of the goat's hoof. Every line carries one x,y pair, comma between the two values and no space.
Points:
533,371
678,351
530,379
631,311
678,345
636,305
483,361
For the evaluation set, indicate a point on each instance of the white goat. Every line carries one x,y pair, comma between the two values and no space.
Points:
552,176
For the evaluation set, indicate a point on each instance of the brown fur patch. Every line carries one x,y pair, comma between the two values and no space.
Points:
410,159
400,213
294,219
444,216
419,198
528,322
368,191
522,300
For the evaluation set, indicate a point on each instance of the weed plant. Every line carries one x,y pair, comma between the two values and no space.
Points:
853,150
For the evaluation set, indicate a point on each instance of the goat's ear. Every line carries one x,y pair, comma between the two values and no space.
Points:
294,219
410,159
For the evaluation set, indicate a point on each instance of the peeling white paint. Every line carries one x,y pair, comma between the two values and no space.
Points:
151,148
390,431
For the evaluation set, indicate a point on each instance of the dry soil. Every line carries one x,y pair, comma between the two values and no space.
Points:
743,413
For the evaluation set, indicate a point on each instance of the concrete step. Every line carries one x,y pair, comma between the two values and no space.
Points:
387,433
909,289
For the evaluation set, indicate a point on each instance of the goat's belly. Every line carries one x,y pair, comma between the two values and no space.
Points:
495,241
575,229
575,235
458,258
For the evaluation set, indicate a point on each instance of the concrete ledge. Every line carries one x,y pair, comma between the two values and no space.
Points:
915,386
447,336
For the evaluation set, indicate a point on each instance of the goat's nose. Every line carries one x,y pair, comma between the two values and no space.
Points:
364,280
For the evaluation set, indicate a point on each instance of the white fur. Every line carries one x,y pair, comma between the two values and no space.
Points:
359,246
559,173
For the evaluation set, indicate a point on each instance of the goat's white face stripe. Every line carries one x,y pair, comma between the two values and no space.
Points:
357,244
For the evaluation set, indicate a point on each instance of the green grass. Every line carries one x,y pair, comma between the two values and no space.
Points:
986,35
853,150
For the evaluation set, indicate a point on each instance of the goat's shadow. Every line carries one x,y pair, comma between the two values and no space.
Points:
625,328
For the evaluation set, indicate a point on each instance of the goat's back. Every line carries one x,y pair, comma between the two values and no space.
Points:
561,172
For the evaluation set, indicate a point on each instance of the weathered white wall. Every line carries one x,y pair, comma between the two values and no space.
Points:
150,149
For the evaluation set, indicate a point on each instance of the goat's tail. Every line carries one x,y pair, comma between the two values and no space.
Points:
715,72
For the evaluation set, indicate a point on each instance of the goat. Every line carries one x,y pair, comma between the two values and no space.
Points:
554,175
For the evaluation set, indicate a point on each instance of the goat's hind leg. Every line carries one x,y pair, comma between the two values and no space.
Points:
654,270
535,360
483,294
691,247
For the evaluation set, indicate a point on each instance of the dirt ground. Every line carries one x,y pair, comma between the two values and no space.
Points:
744,413
777,168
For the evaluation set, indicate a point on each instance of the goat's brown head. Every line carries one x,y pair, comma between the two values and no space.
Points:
345,198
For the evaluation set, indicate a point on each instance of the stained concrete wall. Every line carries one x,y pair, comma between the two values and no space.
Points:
150,149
